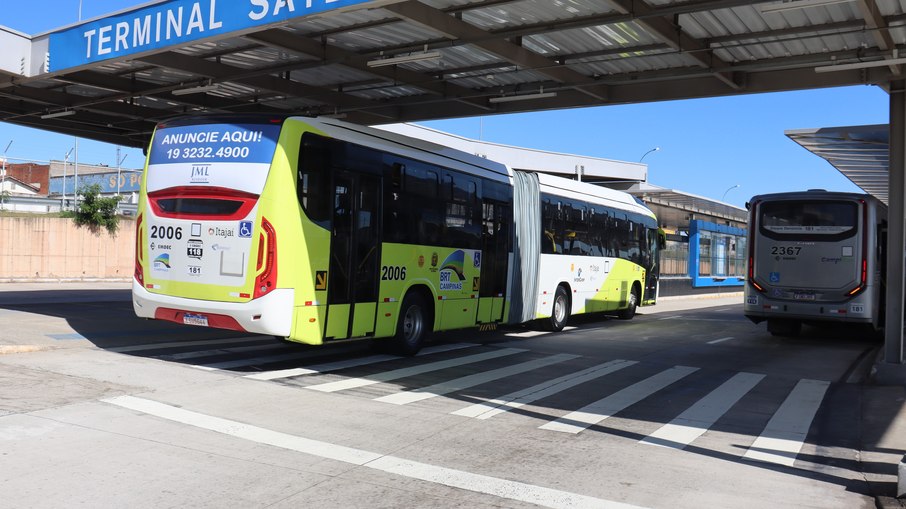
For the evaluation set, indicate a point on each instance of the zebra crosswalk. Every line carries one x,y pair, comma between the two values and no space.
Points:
570,393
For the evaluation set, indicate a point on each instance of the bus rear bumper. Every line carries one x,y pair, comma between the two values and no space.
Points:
848,312
271,314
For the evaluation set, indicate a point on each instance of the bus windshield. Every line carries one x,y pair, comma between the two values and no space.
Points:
819,220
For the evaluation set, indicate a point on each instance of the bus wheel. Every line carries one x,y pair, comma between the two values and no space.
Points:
628,313
413,327
560,311
782,327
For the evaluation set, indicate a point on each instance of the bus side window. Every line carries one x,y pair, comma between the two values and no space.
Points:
313,188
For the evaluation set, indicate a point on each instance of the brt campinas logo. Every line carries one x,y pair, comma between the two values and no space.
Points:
453,264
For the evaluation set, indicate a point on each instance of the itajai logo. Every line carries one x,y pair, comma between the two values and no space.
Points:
454,264
162,262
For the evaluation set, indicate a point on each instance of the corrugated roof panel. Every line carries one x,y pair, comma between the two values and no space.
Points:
222,46
155,103
378,93
739,21
386,35
528,12
861,153
331,21
506,78
669,59
587,39
163,75
262,58
331,75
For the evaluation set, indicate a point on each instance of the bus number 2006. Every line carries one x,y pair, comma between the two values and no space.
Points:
393,273
785,250
166,232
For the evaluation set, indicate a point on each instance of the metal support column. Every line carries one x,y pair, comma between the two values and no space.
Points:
892,365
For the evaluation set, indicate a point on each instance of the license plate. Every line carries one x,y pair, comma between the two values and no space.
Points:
193,319
804,296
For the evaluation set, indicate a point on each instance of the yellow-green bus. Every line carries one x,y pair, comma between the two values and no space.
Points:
313,229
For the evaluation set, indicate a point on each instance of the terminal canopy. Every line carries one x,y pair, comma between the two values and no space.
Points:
386,61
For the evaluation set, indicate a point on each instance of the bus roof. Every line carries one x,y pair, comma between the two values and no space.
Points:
815,194
413,147
569,188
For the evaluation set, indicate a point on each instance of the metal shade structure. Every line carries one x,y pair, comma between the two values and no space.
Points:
123,73
860,153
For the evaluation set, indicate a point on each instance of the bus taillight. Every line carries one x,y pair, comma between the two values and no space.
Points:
863,280
267,259
139,253
751,241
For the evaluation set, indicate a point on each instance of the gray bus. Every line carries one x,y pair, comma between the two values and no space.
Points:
815,256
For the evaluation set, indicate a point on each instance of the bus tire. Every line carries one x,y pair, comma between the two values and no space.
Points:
413,326
559,311
629,312
783,327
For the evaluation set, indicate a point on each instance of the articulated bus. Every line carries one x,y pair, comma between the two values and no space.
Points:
814,257
315,229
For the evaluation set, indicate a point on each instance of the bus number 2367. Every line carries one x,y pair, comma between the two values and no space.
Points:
785,250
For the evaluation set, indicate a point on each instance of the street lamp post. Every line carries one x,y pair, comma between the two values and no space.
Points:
728,190
119,163
65,162
3,176
655,149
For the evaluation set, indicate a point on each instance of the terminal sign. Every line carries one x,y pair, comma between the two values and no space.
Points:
172,23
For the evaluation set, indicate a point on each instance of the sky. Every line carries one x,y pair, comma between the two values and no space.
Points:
707,146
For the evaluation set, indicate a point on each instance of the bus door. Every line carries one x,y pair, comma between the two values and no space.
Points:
652,263
495,247
354,255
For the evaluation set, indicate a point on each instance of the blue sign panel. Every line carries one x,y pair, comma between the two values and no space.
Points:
129,182
214,143
172,23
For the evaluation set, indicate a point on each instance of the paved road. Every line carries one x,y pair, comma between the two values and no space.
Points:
688,405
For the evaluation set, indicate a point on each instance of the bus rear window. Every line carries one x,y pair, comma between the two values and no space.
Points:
818,220
201,203
199,206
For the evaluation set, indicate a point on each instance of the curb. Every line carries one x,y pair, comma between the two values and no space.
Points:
701,296
889,503
65,280
14,349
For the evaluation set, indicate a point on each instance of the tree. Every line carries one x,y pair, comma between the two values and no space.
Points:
96,212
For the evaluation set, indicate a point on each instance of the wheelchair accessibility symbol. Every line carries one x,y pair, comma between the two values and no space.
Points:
775,277
245,229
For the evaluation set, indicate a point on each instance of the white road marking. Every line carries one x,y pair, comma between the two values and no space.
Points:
596,412
782,438
220,351
526,334
721,340
521,398
698,418
674,317
350,363
402,398
253,361
477,483
396,374
176,344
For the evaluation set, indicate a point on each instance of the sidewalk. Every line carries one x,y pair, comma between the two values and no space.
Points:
60,292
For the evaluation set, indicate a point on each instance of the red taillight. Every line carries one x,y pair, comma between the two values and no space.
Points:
752,227
267,259
863,278
139,253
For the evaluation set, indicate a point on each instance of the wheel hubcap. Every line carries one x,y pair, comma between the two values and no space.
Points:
560,309
412,323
